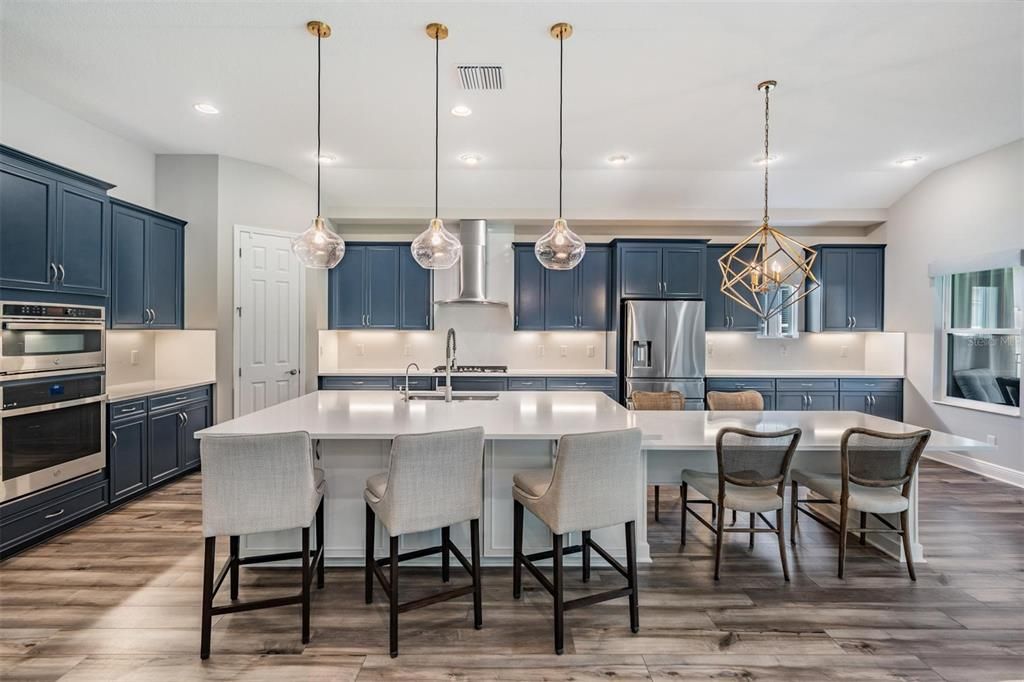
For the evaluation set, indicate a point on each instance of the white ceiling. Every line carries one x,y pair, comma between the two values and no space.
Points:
672,84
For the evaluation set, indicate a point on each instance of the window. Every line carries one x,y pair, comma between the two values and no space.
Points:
981,339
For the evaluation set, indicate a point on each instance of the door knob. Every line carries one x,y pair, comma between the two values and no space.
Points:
293,372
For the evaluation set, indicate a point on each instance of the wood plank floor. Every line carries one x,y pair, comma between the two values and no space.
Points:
118,599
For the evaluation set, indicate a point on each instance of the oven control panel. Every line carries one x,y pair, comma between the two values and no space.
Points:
50,312
49,390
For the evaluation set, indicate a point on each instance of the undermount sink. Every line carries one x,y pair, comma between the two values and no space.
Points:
456,396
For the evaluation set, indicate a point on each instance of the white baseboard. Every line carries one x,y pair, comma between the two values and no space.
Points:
987,469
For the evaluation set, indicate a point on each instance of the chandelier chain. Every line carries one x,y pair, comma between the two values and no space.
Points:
765,160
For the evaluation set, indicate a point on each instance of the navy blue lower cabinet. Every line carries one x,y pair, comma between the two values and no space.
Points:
198,416
127,446
356,383
164,441
888,404
527,384
807,401
475,383
33,518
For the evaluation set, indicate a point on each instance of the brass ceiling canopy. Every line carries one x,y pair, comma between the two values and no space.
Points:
437,31
561,31
321,29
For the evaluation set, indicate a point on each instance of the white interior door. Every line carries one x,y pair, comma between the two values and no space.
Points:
268,300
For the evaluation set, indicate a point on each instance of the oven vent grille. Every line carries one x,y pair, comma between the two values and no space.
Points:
477,77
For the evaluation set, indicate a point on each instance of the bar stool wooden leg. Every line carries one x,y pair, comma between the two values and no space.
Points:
371,523
586,556
556,560
863,524
657,502
753,524
478,594
305,585
718,543
208,557
634,597
734,517
393,609
904,524
517,551
782,543
234,566
714,511
844,516
446,535
320,544
683,489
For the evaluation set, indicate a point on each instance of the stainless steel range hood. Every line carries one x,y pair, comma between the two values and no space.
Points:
473,266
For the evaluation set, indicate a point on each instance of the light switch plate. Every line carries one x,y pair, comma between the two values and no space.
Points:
563,351
135,357
591,351
540,351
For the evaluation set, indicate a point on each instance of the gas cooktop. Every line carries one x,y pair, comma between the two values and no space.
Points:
480,369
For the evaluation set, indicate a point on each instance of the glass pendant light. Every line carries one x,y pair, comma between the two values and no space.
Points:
560,248
768,271
319,246
436,248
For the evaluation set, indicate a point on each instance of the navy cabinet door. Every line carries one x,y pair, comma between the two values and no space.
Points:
716,304
855,402
560,296
28,235
640,271
164,439
128,461
84,241
197,417
741,318
529,291
887,405
382,287
417,292
790,401
835,280
683,271
163,273
867,274
593,280
347,282
128,268
822,402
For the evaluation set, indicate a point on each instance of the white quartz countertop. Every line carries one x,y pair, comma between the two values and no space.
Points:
800,373
509,373
139,389
547,415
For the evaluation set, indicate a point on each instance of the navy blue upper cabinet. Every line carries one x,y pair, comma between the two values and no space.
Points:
661,269
379,286
850,297
721,313
54,227
148,269
576,299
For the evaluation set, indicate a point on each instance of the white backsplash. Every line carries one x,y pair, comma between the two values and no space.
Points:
163,354
881,352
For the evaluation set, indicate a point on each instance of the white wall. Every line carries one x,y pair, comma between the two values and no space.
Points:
970,208
36,127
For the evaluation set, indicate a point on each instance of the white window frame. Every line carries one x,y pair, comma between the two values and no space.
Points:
944,329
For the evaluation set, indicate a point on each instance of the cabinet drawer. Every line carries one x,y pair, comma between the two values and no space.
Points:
476,383
527,384
870,384
52,515
163,401
415,383
582,384
129,408
807,384
741,384
356,383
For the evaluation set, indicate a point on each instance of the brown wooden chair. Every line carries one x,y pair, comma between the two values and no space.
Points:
657,400
744,401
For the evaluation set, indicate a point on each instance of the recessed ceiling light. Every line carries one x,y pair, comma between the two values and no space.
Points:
327,158
766,160
908,161
461,110
471,159
618,159
205,108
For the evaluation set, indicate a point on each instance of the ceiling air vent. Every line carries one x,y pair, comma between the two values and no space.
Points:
476,77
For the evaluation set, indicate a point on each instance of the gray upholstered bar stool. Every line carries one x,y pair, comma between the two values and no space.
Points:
594,484
751,477
876,472
259,484
660,401
434,480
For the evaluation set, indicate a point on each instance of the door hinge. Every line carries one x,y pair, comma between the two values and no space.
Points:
239,371
239,251
239,309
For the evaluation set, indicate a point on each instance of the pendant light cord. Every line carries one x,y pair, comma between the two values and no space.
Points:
561,86
437,108
767,89
319,39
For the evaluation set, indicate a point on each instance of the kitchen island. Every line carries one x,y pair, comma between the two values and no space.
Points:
353,430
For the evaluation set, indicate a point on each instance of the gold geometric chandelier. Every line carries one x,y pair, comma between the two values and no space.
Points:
767,272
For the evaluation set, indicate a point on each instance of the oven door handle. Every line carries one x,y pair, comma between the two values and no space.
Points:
55,326
50,407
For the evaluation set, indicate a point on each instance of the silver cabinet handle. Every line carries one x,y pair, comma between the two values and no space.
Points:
152,311
54,514
60,268
113,438
516,325
185,415
53,272
181,419
854,319
426,321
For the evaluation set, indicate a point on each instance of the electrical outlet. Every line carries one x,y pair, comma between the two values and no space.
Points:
591,351
406,350
540,351
135,357
711,349
991,439
563,351
360,349
844,351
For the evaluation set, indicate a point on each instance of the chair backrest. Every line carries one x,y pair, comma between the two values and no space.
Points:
755,458
254,484
657,400
434,480
749,401
596,480
881,460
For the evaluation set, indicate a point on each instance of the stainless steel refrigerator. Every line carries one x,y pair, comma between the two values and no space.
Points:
663,349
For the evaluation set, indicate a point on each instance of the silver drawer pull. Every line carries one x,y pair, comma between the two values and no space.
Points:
358,383
581,383
54,514
181,397
129,409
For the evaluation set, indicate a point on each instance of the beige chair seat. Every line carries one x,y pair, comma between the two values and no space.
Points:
862,498
741,498
532,483
375,487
